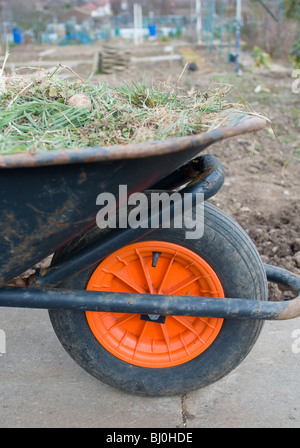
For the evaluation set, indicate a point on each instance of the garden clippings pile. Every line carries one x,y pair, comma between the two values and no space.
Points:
46,112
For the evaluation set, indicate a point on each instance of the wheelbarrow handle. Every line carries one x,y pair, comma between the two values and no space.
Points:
291,281
166,305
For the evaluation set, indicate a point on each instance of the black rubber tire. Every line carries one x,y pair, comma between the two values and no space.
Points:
229,251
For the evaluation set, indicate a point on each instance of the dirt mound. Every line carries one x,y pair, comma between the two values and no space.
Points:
277,240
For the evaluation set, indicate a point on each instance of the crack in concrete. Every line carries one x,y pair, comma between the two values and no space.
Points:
184,413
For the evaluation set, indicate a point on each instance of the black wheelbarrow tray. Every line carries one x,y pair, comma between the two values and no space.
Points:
142,307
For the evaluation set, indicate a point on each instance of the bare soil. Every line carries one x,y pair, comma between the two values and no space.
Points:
262,187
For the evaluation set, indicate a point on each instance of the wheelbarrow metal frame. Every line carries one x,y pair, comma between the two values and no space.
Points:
166,305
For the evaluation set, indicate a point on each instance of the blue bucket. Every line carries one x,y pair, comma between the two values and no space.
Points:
18,36
152,30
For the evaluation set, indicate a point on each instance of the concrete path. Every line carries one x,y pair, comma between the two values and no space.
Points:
42,387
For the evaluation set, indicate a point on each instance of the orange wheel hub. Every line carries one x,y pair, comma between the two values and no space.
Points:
155,267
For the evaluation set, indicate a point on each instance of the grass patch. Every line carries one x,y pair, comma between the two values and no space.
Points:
35,114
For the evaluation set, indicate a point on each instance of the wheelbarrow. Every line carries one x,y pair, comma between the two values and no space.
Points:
142,307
